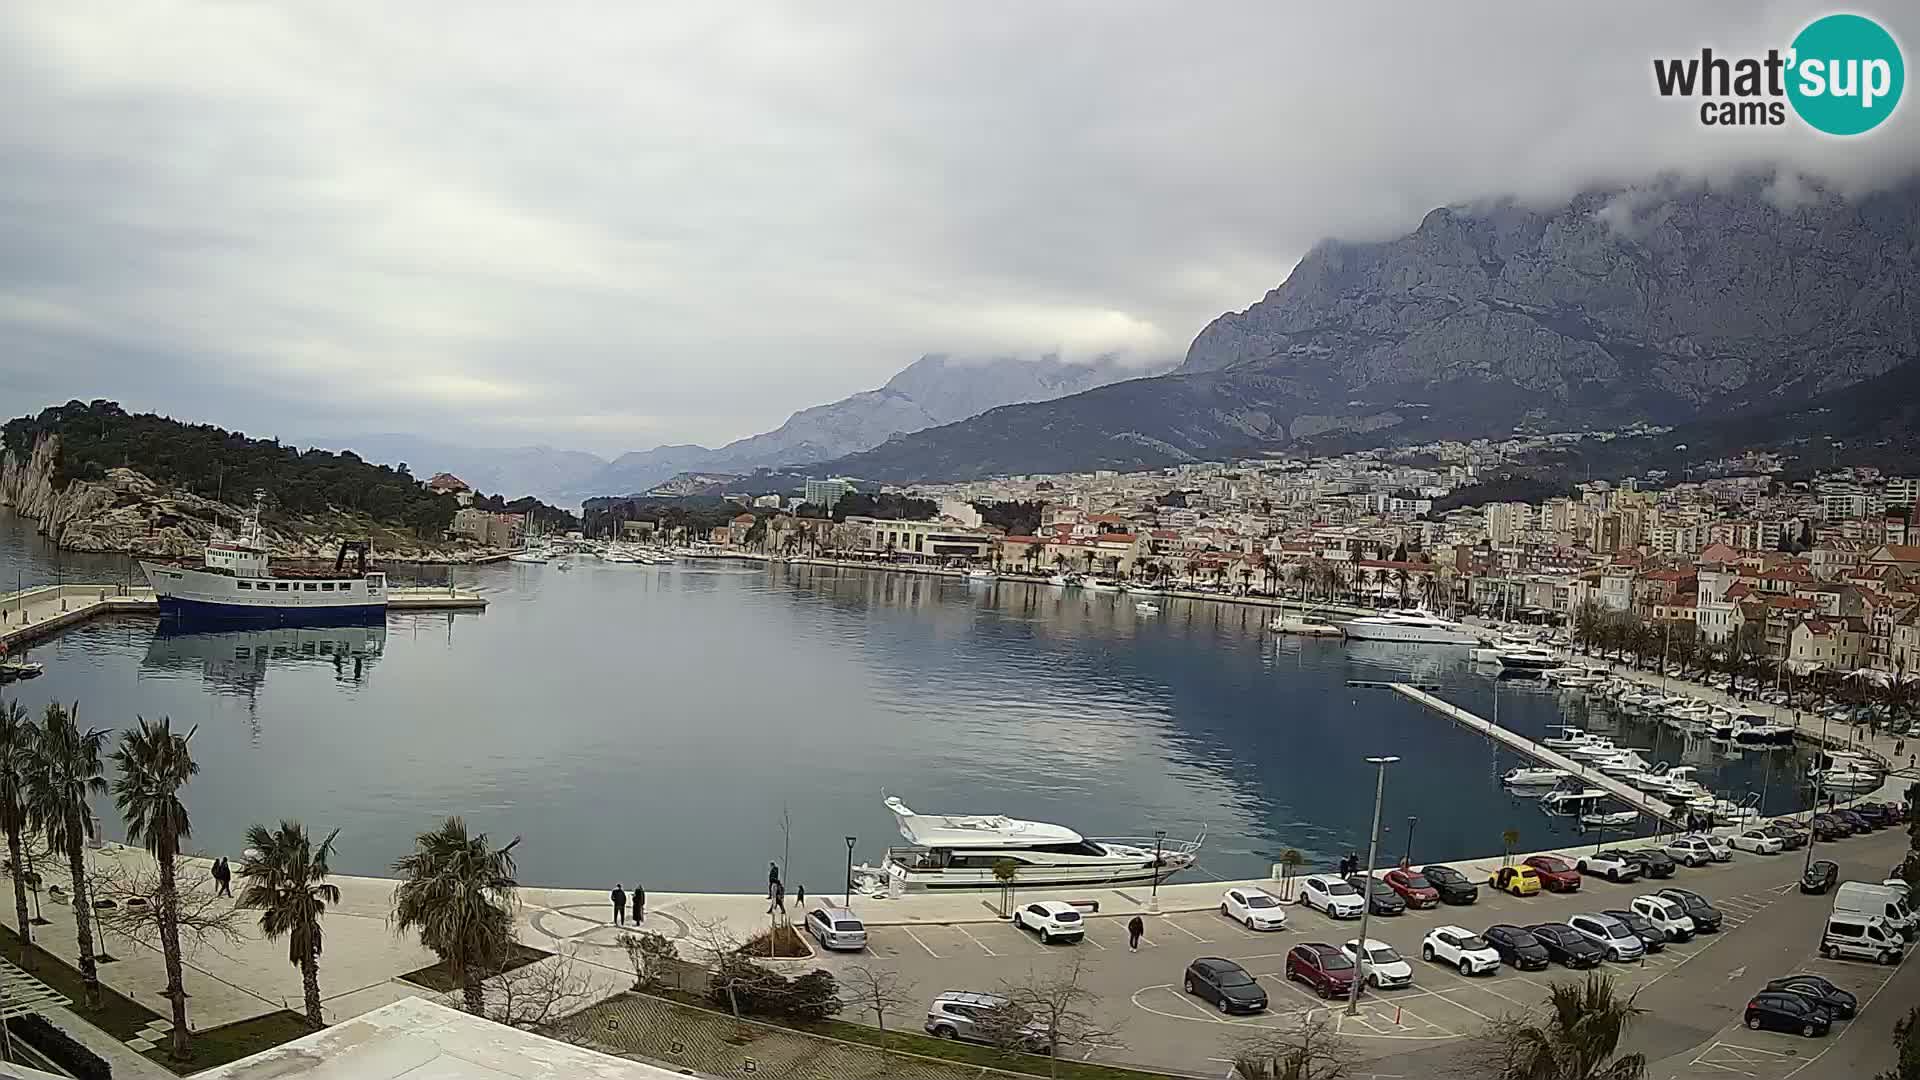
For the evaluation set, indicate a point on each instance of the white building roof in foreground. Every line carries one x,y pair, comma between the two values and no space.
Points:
420,1040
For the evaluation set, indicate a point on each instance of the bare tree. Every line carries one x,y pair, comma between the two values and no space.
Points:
1308,1049
1058,1013
537,996
865,988
713,937
206,920
651,955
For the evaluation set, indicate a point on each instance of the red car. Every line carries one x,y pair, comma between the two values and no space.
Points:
1326,970
1413,887
1558,874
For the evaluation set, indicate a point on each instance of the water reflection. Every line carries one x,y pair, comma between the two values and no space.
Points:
237,661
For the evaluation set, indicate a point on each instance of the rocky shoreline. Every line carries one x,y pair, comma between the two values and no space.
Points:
128,513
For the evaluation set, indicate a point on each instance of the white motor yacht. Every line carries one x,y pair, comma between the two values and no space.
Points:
1101,585
1145,608
981,574
1413,625
1754,730
1569,737
1583,801
1593,750
1533,776
1608,819
961,851
1063,580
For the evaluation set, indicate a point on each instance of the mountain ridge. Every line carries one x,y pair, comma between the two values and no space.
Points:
1662,304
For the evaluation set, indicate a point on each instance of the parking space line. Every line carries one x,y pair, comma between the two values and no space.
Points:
916,940
969,936
1189,933
1088,938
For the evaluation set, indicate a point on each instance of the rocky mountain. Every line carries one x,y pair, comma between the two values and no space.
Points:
1663,304
933,390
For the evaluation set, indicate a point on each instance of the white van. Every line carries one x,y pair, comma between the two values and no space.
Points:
1879,901
1861,938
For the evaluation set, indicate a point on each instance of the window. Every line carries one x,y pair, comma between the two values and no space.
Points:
326,586
281,586
310,586
244,585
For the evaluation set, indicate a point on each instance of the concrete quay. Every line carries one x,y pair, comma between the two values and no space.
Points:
1626,793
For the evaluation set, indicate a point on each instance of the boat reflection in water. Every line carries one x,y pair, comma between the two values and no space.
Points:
236,661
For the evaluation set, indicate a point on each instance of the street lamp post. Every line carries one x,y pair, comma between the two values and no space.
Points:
1153,897
1406,860
1366,908
1813,834
847,901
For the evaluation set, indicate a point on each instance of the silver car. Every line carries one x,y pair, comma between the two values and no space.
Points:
837,928
1616,937
963,1014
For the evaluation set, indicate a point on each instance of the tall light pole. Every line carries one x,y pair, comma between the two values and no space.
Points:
1813,834
1406,860
847,901
1366,895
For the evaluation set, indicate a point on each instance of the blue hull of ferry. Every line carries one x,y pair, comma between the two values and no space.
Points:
200,611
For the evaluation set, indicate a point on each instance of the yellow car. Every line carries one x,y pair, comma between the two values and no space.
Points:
1517,880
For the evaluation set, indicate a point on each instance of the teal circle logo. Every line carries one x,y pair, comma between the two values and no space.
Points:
1846,74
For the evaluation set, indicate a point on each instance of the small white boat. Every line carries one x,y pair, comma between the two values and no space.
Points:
20,669
1145,608
1531,776
1584,801
1593,750
1568,738
1287,624
1062,580
531,555
1848,779
1606,820
980,574
1101,585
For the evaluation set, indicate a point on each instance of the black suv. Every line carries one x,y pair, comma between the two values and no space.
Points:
1517,948
1837,1002
1453,886
1706,917
1652,862
1820,876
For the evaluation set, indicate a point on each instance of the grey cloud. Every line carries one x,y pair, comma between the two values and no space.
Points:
613,227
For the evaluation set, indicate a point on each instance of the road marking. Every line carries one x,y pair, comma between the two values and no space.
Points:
1088,938
1189,933
916,940
975,940
1737,973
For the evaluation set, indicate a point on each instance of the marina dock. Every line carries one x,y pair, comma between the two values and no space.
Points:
1626,793
31,614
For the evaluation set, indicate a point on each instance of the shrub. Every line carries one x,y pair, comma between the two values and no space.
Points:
60,1048
782,941
812,997
749,989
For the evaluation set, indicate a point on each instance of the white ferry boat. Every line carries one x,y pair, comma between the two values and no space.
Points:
960,851
235,583
1410,625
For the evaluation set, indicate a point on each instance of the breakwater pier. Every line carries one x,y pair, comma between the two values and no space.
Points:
28,615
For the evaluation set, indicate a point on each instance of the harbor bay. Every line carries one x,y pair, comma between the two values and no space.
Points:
683,725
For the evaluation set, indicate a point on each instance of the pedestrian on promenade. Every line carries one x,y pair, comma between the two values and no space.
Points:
1899,747
773,878
778,900
223,876
619,904
1135,928
800,897
639,904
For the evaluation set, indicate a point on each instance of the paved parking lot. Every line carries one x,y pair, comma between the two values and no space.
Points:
1140,994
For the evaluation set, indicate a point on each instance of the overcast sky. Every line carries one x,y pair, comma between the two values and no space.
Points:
609,226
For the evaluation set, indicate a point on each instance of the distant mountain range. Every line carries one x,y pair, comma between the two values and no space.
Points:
1664,304
933,390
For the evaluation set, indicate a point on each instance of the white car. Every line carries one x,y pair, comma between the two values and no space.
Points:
1254,909
1052,920
1460,947
1609,866
1757,842
1665,914
1698,850
1330,894
1384,967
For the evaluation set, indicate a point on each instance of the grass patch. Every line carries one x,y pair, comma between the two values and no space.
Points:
439,977
242,1038
915,1042
122,1017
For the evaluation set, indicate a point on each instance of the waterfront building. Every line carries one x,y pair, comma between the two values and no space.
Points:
826,493
936,541
495,530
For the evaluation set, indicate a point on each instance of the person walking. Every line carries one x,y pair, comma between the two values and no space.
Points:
773,878
1135,930
223,876
639,904
800,898
777,901
619,904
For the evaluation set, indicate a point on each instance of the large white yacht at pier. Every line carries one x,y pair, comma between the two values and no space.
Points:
960,851
235,583
1411,625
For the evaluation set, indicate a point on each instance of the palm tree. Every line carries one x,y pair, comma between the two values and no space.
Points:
287,881
1299,574
1404,580
1509,839
1575,1038
62,774
1061,562
1035,551
458,894
154,765
16,751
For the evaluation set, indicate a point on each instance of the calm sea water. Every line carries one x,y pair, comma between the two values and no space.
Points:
683,725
